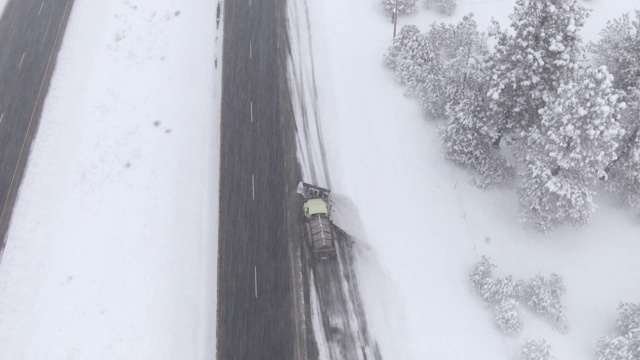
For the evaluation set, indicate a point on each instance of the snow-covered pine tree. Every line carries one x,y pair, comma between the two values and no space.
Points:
446,7
536,350
458,52
463,51
482,270
410,56
431,89
627,346
544,49
545,298
404,6
467,144
508,317
619,50
629,317
616,348
623,173
498,290
468,141
569,149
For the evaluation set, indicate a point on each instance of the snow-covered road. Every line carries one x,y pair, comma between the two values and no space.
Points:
111,253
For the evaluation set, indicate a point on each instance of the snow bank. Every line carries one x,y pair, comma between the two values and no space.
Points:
423,222
3,3
112,249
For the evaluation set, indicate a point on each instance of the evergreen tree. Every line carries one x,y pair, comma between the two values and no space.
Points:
617,348
619,50
536,350
467,141
447,7
459,52
508,317
544,49
623,173
404,6
482,271
545,293
627,346
574,142
629,317
468,144
410,56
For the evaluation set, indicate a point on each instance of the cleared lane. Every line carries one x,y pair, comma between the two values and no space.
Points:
30,37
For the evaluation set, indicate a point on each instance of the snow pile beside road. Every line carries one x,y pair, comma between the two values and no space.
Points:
425,224
3,3
112,249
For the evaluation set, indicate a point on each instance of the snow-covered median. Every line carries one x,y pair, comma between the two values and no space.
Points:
112,249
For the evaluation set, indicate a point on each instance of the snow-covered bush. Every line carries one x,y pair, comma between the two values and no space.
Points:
404,6
495,290
616,348
500,289
627,346
569,149
542,294
508,317
536,350
481,275
521,291
545,298
447,7
629,317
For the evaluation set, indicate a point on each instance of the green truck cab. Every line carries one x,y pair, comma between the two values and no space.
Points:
320,229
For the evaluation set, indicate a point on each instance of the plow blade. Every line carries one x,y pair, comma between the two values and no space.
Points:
309,191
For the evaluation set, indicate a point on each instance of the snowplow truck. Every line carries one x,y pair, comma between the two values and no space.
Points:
320,230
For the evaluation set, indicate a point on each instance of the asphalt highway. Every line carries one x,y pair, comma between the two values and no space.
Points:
30,36
255,318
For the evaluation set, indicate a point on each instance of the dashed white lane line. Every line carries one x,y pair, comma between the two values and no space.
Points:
250,50
1,117
255,280
251,109
21,60
253,187
41,5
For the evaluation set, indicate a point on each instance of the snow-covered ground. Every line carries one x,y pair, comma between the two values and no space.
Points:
112,248
424,223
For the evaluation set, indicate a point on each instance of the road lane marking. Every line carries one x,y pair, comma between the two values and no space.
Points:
253,187
251,106
250,52
1,117
21,60
255,280
41,5
33,113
